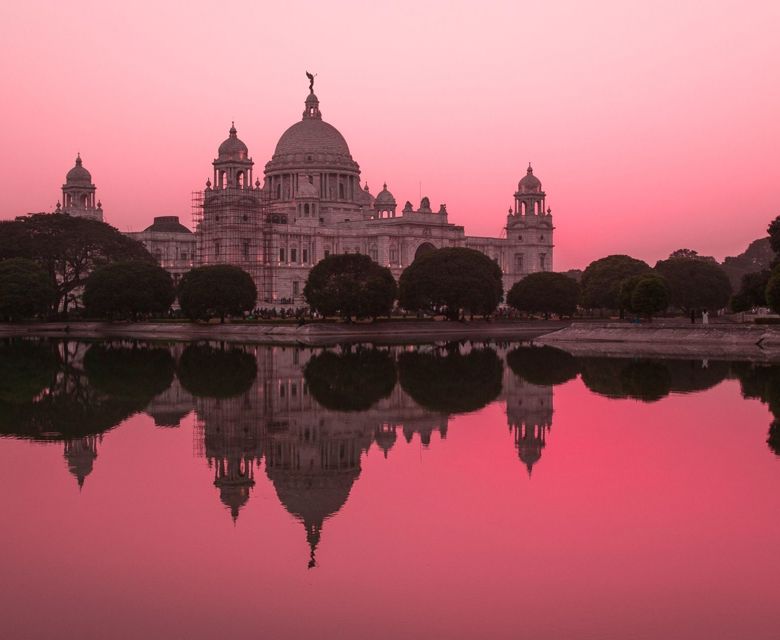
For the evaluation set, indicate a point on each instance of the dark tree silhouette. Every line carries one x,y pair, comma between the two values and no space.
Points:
453,279
695,284
67,248
545,292
216,291
602,279
350,284
25,289
127,289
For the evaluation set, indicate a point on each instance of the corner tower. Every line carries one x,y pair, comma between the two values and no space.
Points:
529,231
78,194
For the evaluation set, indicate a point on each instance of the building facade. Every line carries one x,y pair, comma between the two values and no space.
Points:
311,204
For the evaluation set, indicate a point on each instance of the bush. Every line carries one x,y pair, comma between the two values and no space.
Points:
454,279
216,291
127,289
646,294
350,284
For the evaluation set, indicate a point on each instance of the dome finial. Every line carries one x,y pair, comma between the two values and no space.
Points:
530,168
78,158
233,131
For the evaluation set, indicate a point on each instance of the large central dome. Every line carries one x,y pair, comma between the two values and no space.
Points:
312,142
311,136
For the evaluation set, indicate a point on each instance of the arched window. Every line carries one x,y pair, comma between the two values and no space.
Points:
240,179
306,210
341,190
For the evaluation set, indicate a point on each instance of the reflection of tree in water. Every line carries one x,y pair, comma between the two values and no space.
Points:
212,372
351,381
643,380
71,392
451,382
129,372
691,376
542,365
27,367
762,382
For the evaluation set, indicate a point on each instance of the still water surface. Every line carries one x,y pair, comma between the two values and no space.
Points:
440,491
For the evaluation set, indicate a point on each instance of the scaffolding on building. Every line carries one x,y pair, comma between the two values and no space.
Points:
235,226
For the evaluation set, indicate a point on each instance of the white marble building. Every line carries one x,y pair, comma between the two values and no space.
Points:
311,204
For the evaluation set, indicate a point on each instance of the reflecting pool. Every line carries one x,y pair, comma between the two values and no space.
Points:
452,490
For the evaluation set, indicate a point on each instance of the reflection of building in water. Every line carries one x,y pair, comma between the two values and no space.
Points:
313,454
80,454
173,404
529,411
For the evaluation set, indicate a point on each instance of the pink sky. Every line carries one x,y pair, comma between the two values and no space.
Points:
653,126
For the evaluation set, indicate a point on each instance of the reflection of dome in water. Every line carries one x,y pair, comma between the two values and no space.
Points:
385,437
313,497
167,417
81,454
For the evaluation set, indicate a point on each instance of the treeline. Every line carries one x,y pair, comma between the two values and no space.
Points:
51,262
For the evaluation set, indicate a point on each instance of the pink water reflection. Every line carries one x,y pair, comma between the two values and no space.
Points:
639,520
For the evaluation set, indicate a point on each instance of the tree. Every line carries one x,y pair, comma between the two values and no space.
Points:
216,291
126,289
752,291
350,381
452,279
645,294
684,253
350,284
545,292
67,248
774,234
25,289
772,292
695,284
602,279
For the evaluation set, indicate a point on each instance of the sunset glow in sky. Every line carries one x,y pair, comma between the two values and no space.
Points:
652,125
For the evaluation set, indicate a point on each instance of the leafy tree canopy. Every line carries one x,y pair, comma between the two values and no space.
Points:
25,289
695,284
452,382
126,289
774,234
646,294
350,284
542,365
545,292
454,278
602,279
216,291
752,291
350,381
772,291
212,372
67,248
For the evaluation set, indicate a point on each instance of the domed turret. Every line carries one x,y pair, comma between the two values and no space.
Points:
78,175
233,166
233,148
384,203
78,194
530,183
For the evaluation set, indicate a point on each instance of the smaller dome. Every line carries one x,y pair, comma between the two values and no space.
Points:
78,174
233,148
384,199
530,183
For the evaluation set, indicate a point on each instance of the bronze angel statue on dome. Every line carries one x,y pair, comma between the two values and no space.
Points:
311,81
